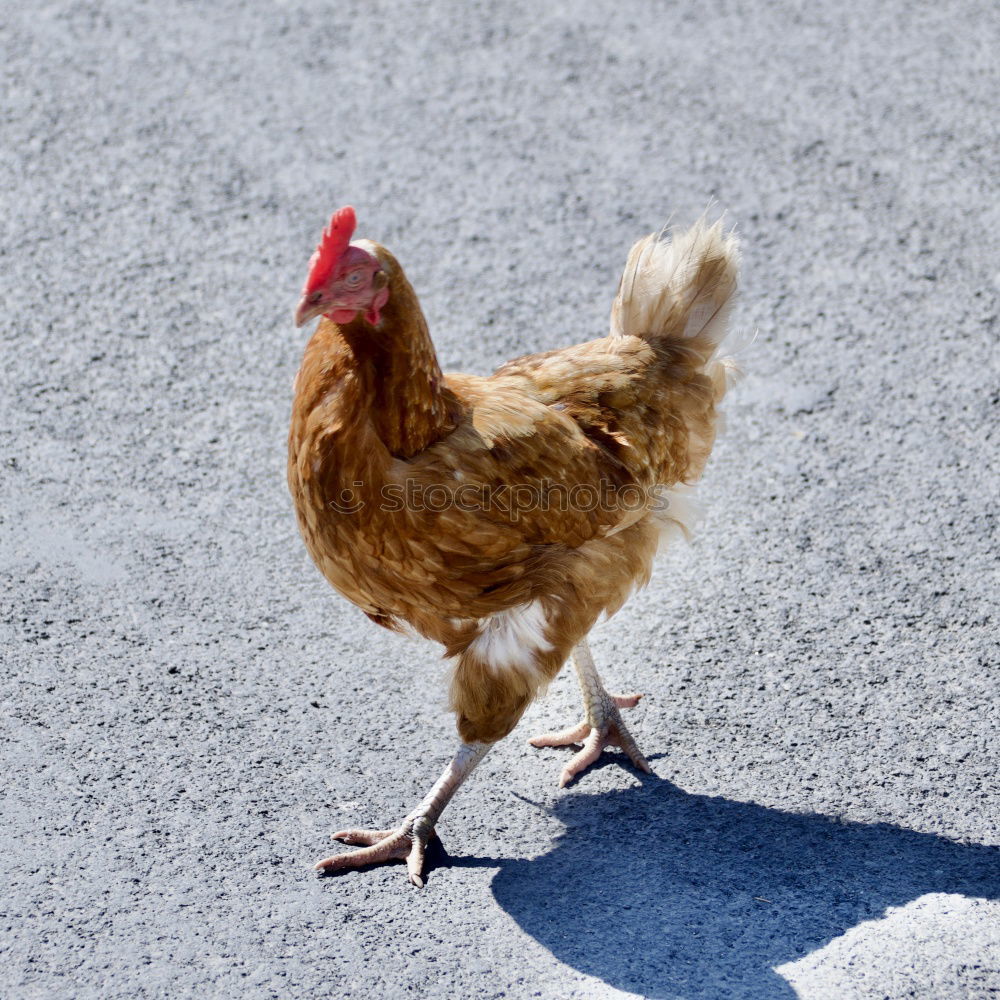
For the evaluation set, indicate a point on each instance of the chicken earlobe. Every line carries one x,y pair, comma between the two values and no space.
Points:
409,840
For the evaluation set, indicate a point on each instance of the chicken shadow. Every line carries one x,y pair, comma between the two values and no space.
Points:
668,894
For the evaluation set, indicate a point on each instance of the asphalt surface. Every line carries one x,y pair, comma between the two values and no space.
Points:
189,710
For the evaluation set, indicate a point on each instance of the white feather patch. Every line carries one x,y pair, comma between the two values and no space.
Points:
510,639
677,512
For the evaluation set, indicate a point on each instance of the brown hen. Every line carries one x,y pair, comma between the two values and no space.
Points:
502,516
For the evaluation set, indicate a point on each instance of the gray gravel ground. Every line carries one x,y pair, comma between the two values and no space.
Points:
188,709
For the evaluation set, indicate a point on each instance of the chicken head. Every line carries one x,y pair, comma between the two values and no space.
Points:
344,279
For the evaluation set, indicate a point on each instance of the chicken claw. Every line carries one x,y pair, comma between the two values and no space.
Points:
602,727
408,840
595,736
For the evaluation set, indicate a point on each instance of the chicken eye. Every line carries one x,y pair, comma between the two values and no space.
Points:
353,280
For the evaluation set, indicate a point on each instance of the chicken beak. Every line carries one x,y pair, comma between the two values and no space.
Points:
307,310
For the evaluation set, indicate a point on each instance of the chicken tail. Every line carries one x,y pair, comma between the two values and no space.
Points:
679,288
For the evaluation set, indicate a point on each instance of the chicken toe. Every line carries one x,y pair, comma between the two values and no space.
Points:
409,840
602,726
406,842
595,735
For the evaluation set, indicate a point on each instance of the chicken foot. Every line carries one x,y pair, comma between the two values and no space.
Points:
408,840
602,726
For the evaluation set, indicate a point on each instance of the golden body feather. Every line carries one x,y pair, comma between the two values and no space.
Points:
449,501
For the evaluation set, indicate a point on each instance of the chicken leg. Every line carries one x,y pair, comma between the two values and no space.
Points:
602,725
408,840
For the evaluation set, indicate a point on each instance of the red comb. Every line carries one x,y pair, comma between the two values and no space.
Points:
334,241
